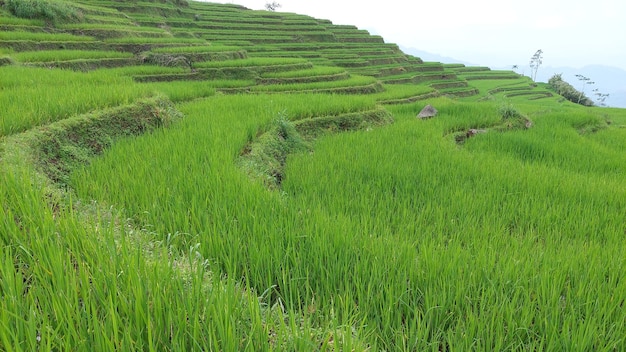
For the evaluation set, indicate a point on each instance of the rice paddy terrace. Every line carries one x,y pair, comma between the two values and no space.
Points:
181,175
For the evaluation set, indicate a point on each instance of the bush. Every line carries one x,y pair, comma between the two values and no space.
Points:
567,91
508,111
6,61
48,10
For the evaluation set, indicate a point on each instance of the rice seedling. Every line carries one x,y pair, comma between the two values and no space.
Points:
196,49
44,37
21,21
114,27
142,70
63,55
252,62
354,81
315,71
33,96
403,91
156,40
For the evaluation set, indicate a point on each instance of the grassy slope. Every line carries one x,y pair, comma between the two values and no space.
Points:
396,237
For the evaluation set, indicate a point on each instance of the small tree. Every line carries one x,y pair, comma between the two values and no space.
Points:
585,81
272,6
600,97
535,61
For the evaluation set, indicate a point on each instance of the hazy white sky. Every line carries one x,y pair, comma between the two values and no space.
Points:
496,33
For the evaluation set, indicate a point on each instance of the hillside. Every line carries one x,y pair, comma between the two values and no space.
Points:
179,175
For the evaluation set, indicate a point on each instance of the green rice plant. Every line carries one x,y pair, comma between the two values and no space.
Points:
20,21
495,74
183,90
116,27
196,49
64,55
354,81
156,40
403,91
252,36
359,232
101,8
33,96
107,19
102,285
255,61
93,289
44,37
315,71
361,203
388,238
142,70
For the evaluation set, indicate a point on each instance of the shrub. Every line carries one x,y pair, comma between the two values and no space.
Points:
508,111
567,91
6,61
49,10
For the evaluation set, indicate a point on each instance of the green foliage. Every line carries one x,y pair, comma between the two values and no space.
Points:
61,147
6,60
50,10
265,158
567,91
508,111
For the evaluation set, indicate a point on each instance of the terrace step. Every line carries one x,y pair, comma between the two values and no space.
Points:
489,75
421,78
86,64
410,99
320,78
450,84
460,93
202,74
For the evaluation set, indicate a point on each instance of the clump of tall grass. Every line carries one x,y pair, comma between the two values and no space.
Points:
264,158
6,61
48,10
508,111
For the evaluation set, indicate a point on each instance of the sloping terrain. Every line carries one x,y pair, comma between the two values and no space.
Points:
181,175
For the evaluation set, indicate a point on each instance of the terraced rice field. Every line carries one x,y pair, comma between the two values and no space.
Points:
179,175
